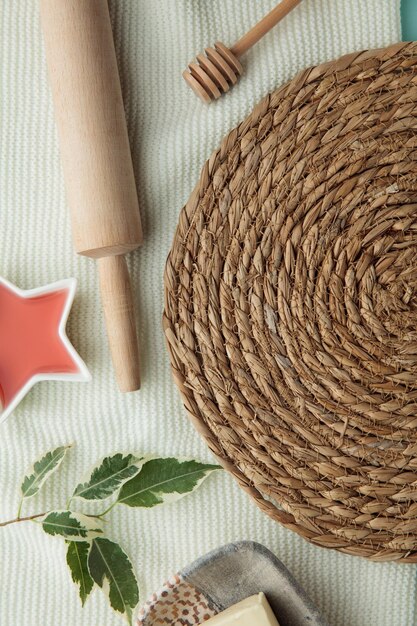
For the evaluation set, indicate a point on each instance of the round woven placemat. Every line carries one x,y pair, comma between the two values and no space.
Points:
291,304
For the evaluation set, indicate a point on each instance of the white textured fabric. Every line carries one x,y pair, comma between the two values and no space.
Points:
171,133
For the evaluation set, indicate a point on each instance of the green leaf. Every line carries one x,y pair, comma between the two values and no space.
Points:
77,557
163,480
108,476
109,564
41,470
70,525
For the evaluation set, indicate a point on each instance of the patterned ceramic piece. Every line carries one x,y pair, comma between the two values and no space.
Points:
224,577
177,602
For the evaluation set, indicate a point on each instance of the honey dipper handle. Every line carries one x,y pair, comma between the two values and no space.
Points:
261,28
116,295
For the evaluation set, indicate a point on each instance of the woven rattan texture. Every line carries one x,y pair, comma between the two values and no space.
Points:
291,304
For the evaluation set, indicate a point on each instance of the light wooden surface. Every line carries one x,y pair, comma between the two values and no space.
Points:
116,296
94,147
219,69
214,74
263,26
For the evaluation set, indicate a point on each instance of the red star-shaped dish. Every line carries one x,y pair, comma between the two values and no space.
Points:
33,342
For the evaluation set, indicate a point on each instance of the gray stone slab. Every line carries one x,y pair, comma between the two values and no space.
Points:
238,570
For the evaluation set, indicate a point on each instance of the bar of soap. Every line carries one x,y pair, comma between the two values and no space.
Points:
253,611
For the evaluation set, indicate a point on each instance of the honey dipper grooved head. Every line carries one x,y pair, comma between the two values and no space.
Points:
214,72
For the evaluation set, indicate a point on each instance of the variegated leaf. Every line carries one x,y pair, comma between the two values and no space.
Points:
163,480
71,525
41,470
77,557
107,477
112,570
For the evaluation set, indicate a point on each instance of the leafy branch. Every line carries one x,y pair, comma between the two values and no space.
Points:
93,559
22,519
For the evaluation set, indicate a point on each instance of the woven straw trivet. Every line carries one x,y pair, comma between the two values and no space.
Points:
291,304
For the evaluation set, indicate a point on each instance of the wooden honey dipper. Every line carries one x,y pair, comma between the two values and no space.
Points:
96,160
220,68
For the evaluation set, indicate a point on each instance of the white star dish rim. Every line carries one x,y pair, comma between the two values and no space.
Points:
69,285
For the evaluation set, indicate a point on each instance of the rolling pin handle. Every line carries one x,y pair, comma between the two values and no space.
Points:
117,299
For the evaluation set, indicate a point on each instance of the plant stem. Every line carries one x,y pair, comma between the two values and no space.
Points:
107,510
33,517
19,510
95,516
22,519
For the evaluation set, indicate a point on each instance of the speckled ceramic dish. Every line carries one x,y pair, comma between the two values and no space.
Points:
224,577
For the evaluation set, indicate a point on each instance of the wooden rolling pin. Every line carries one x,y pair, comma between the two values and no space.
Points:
96,160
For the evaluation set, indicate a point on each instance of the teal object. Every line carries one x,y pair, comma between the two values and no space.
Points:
409,20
